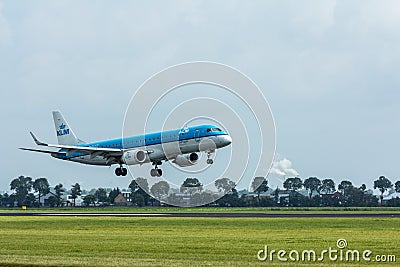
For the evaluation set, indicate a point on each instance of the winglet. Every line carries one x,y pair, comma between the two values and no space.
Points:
37,141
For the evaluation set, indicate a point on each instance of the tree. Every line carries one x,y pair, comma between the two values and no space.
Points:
41,185
75,192
355,196
113,194
139,183
201,199
397,186
260,184
173,199
344,186
312,184
363,187
12,200
139,186
191,185
382,184
89,199
327,186
293,184
133,186
22,185
138,200
6,200
53,201
101,195
298,200
160,189
276,195
30,200
224,184
230,199
59,191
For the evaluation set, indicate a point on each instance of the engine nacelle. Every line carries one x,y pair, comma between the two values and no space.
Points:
135,156
186,160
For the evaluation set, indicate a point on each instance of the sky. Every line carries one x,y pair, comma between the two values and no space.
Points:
328,69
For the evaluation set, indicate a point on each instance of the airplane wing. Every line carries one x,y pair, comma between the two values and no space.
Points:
43,151
88,150
69,150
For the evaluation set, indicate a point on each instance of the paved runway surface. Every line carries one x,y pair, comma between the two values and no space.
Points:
206,215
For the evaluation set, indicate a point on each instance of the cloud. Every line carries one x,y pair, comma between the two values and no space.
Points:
283,168
5,33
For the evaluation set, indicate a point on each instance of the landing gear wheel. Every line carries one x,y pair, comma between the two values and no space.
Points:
156,172
121,171
209,161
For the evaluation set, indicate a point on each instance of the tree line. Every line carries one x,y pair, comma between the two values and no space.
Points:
325,192
319,193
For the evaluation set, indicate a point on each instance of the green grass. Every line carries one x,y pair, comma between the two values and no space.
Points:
138,241
114,209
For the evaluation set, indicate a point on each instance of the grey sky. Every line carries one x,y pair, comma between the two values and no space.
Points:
329,70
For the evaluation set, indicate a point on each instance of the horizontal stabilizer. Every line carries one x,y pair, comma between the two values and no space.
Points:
37,141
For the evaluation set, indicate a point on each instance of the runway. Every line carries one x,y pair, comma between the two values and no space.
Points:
204,215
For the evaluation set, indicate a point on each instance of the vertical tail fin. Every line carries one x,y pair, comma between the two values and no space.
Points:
65,135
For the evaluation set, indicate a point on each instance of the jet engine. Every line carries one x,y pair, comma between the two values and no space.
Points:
186,160
134,157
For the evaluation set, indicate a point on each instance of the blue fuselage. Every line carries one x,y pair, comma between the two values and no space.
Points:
189,139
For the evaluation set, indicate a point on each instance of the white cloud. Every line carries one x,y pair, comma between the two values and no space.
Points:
283,167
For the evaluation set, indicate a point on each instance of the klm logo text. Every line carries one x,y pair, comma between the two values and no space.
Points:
62,132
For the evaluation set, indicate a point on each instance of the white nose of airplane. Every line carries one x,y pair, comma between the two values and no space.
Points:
226,140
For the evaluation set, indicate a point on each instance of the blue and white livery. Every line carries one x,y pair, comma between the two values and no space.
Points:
181,146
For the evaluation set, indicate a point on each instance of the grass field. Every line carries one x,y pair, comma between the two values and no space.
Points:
139,241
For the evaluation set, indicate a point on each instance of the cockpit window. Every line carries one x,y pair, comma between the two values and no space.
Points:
213,130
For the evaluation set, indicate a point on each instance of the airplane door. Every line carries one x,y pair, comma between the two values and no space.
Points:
197,135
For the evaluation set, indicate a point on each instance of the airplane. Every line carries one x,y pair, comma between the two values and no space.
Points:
181,146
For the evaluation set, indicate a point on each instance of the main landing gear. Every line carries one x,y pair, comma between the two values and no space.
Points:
156,172
121,171
209,161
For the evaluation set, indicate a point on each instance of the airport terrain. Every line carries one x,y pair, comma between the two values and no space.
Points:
184,241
